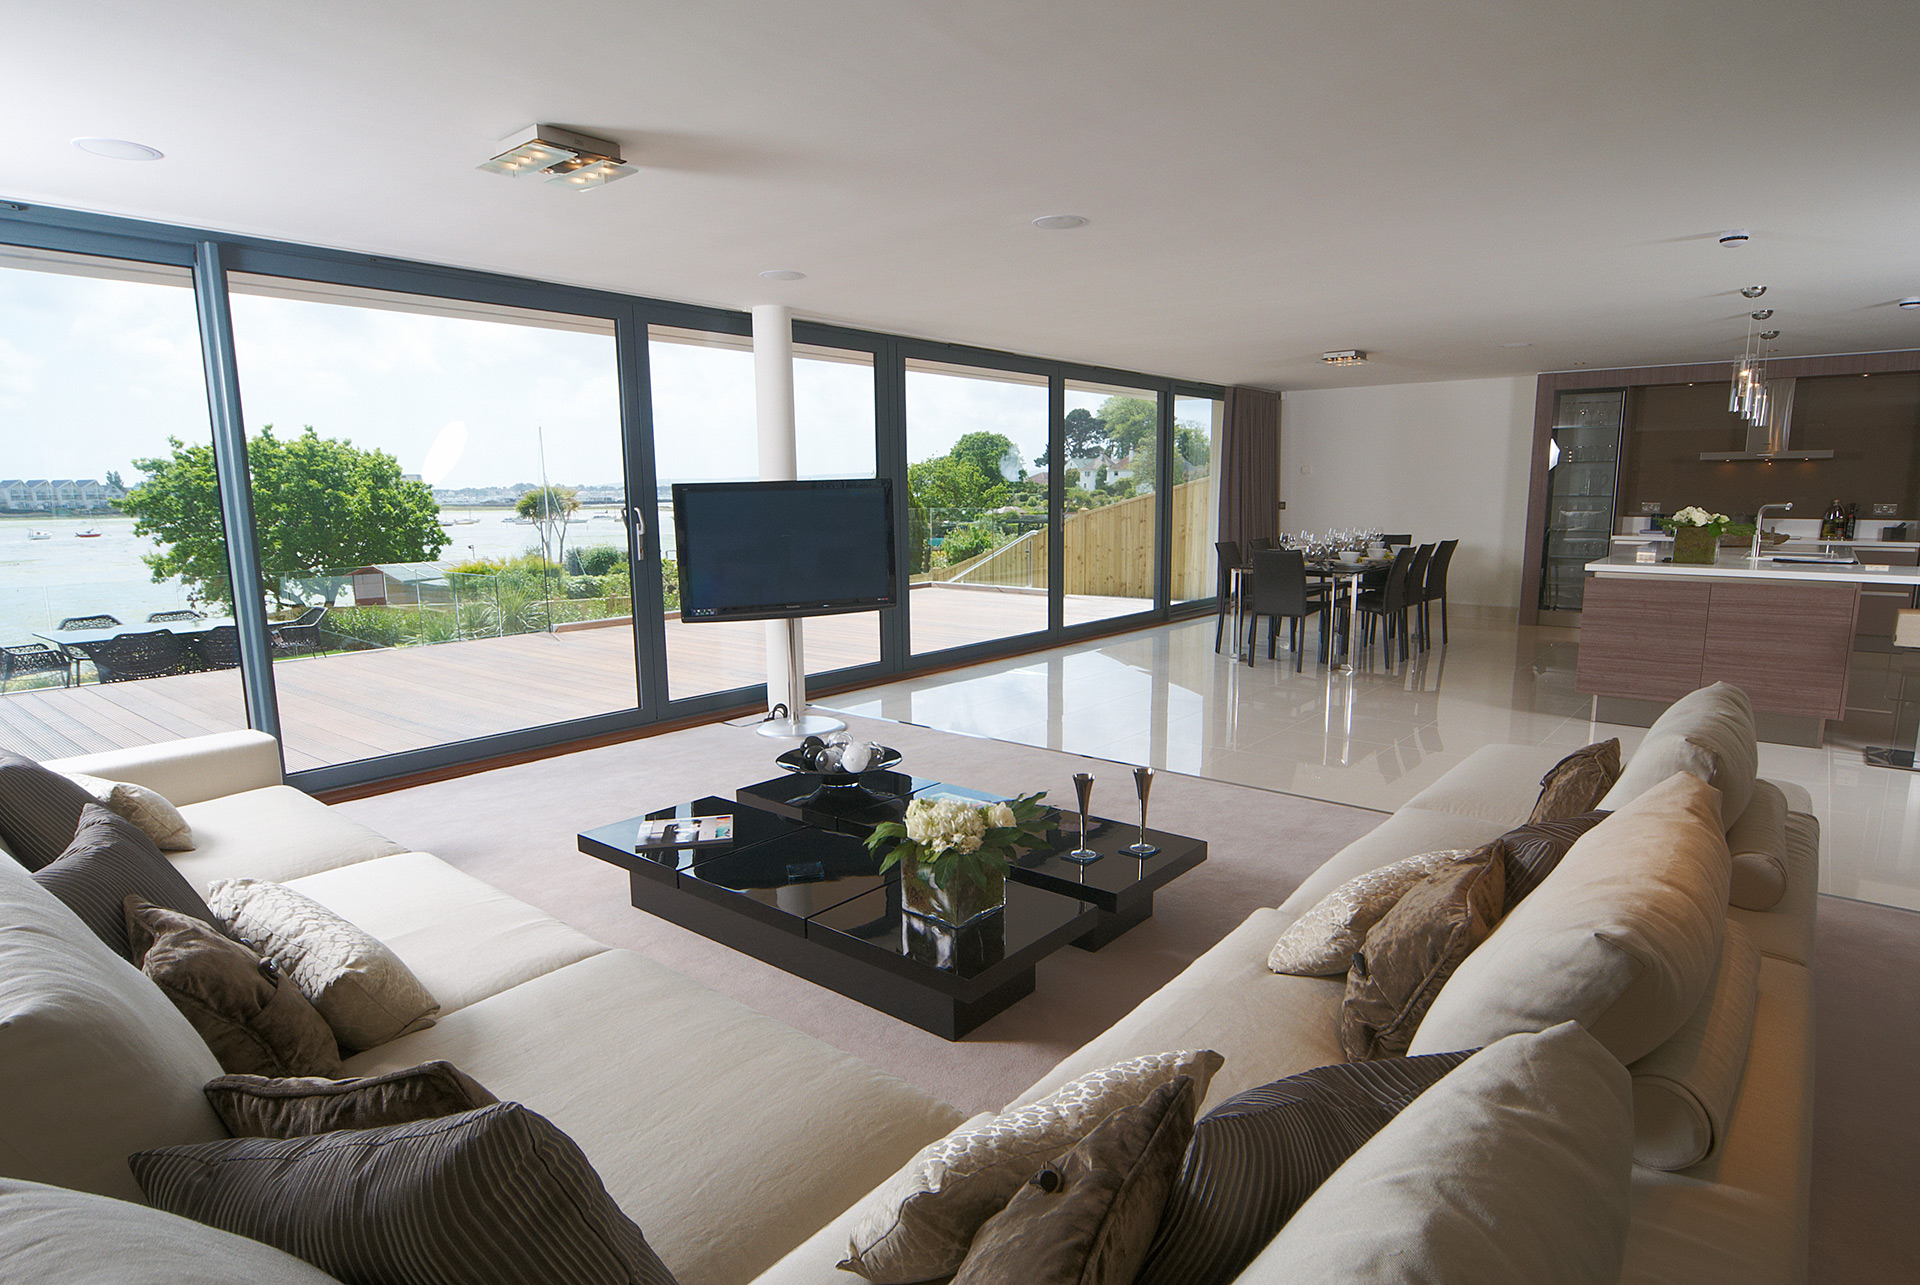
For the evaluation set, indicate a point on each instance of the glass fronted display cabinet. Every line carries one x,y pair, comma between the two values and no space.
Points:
1583,464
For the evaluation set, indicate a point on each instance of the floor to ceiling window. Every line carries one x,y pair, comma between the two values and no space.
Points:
438,492
704,430
1196,500
1111,525
114,614
977,479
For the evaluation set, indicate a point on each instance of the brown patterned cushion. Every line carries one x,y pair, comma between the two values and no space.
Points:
497,1196
253,1106
1256,1158
1410,954
1089,1218
255,1021
1532,851
39,810
109,860
1577,782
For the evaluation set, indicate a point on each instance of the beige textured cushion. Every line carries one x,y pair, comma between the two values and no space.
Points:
1512,1170
1708,733
1089,1218
359,986
52,1236
1577,783
95,1063
1683,1091
277,833
1321,942
1414,949
254,1106
1622,937
158,819
918,1224
1758,841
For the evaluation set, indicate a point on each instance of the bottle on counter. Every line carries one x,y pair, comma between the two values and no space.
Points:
1831,525
1853,521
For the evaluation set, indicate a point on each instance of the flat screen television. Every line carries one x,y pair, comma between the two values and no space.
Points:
776,550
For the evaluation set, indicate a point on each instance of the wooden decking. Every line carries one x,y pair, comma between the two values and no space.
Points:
354,705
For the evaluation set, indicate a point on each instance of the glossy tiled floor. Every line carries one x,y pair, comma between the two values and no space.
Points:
1375,737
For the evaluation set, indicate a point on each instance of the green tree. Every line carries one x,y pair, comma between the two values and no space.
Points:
113,480
1190,445
549,507
1086,434
984,451
946,482
320,505
1132,423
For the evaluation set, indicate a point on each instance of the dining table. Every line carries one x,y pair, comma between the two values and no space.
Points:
1338,572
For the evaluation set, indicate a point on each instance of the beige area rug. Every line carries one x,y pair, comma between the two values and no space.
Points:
515,828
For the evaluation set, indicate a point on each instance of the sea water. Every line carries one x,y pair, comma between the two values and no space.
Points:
43,582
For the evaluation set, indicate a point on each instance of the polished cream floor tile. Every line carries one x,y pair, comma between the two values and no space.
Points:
1376,737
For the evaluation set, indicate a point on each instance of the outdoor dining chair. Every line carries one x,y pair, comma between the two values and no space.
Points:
169,617
217,648
302,636
125,658
32,658
90,622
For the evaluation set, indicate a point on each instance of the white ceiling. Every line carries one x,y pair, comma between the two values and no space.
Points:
1265,180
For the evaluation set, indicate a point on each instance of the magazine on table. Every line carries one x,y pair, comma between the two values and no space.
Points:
684,832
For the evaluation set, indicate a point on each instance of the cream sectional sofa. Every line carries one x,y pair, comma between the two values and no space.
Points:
726,1135
732,1140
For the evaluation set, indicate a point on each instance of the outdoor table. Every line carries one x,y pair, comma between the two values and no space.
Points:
81,637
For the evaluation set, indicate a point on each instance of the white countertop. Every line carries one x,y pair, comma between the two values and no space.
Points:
1740,566
1793,542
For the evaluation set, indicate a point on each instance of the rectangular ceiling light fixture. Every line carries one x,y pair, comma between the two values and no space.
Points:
560,156
1343,357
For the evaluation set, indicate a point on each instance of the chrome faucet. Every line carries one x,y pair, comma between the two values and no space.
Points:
1758,515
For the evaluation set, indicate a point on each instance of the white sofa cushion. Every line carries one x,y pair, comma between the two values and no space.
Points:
274,833
728,1136
52,1236
1622,937
1709,733
1786,931
95,1062
189,770
462,939
1758,841
1683,1091
1512,1170
1498,784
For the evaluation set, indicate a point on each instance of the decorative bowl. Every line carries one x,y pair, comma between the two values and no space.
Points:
884,757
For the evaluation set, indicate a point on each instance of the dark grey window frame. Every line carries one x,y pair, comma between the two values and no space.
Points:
211,255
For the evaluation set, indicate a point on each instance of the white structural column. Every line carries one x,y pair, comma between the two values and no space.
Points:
780,462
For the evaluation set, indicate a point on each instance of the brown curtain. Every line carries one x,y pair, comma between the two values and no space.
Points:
1250,465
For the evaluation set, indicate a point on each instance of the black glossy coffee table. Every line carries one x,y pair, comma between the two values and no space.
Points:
798,889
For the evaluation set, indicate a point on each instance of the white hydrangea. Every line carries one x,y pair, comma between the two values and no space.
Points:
1000,816
945,825
1694,515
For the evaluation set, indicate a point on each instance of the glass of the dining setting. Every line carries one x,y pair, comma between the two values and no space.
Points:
1083,790
1143,786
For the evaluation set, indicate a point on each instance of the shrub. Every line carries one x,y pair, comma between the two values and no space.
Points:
595,559
971,542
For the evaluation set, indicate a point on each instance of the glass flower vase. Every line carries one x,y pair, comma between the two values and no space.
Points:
958,904
1695,544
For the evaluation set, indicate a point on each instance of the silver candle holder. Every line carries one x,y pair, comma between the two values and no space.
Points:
1083,788
1143,786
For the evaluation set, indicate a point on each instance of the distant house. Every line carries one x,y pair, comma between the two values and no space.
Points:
401,584
61,494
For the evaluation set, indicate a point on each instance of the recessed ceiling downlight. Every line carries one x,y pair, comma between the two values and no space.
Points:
783,274
1060,222
1911,301
118,149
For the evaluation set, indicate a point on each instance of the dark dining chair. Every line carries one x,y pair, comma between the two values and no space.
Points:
1417,590
1435,587
89,622
302,636
1280,591
216,648
1260,542
170,617
1395,541
125,658
32,658
1387,607
1227,555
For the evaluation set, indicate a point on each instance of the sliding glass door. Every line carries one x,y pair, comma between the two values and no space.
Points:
439,499
1196,499
114,622
1111,525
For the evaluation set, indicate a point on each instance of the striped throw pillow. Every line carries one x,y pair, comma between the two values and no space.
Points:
39,810
1256,1158
497,1196
109,860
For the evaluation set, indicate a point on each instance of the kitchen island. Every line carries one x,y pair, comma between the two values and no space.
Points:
1781,630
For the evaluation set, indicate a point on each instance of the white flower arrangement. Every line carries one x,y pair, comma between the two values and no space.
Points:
951,841
1693,516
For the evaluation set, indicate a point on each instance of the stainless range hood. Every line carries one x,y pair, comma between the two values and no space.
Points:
1773,439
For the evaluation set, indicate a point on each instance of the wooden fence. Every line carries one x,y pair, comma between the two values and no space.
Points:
1109,550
